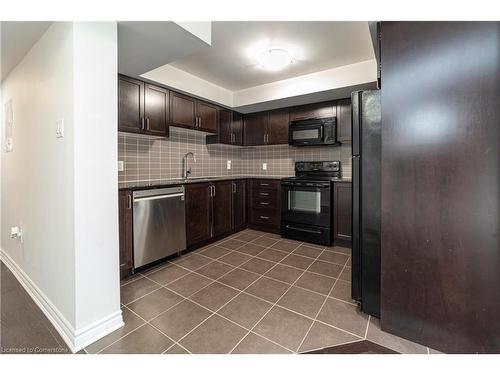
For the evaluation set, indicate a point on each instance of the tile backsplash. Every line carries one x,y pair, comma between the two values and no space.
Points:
150,158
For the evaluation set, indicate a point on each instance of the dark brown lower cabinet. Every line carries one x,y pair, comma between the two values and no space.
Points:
198,213
222,207
213,210
126,232
342,212
239,204
264,205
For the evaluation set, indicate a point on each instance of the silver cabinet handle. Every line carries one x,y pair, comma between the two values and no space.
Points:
265,194
142,124
263,184
129,201
234,187
147,123
264,217
264,203
214,189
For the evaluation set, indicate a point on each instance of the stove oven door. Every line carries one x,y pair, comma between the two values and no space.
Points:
306,203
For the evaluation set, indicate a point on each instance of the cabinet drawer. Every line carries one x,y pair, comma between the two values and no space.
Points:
265,201
265,217
266,184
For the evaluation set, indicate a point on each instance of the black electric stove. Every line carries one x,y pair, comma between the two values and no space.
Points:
307,205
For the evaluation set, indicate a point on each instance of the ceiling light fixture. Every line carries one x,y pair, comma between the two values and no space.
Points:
274,58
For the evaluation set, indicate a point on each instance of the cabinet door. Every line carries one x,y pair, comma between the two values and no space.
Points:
237,128
225,132
342,210
182,111
198,213
278,127
239,205
130,105
125,225
207,117
222,203
156,103
315,110
344,120
255,125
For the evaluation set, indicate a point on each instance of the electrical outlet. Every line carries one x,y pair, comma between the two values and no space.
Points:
228,164
121,166
264,166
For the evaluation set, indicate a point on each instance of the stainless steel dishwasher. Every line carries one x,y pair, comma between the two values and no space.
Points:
159,224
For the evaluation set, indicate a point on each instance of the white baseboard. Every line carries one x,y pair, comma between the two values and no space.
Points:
76,340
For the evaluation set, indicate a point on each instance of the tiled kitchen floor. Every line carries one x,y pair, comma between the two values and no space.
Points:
253,292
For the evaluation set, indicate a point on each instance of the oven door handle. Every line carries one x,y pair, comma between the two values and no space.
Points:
303,230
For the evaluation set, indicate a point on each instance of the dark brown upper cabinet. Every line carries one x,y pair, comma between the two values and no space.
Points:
207,116
156,101
255,125
267,128
182,111
344,121
315,110
277,131
230,129
142,108
191,113
130,105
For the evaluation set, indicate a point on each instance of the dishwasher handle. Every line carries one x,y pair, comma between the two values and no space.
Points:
155,197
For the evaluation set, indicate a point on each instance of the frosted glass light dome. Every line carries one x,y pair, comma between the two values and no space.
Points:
274,58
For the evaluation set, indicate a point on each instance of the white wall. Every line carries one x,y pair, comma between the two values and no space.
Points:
38,176
95,153
62,191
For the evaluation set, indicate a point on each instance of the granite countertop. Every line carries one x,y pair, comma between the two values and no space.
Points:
191,180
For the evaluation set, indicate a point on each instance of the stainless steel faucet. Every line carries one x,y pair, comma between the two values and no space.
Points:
186,170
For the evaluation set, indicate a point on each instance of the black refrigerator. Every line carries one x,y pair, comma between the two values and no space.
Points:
366,186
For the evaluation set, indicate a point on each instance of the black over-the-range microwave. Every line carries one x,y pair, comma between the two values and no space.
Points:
313,132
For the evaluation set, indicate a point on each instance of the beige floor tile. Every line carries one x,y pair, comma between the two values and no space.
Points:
297,261
239,279
192,261
214,296
245,310
316,283
137,289
325,268
265,241
323,336
342,290
176,349
216,336
345,316
302,301
284,273
254,344
154,303
268,289
144,340
257,265
189,284
214,270
276,326
330,256
235,258
251,249
167,274
272,255
180,319
308,251
215,252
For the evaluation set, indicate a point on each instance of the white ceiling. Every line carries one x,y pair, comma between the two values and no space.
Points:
317,46
17,39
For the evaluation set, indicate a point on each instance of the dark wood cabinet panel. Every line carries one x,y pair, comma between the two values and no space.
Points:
239,205
315,110
126,232
225,127
266,217
255,127
222,207
342,211
198,213
156,103
207,117
237,129
278,126
130,105
182,111
344,128
440,184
